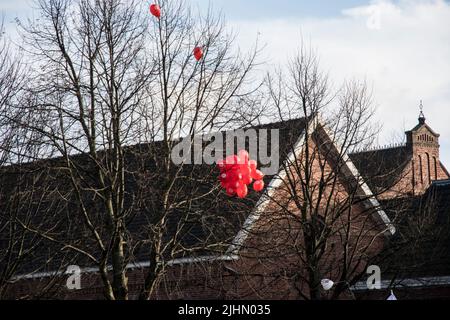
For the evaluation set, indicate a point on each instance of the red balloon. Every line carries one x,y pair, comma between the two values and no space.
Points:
234,176
224,184
243,156
257,175
245,169
231,163
246,174
247,179
232,160
231,192
258,185
253,165
198,53
242,191
155,10
221,165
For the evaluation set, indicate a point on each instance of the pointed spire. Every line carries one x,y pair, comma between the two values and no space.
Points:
421,115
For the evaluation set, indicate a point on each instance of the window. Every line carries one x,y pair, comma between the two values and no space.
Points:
435,169
420,169
429,168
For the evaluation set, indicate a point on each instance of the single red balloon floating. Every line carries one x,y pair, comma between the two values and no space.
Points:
155,10
237,172
198,53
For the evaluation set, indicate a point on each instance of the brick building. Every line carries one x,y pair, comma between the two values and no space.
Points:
255,249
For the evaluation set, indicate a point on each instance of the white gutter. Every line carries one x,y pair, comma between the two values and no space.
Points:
407,283
371,198
130,266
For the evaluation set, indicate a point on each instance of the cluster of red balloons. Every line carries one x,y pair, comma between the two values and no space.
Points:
237,172
155,10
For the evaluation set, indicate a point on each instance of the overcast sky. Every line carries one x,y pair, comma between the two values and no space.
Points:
402,48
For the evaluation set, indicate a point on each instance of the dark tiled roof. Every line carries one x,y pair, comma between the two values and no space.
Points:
383,168
205,225
216,218
421,247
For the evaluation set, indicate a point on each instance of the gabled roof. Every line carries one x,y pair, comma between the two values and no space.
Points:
348,169
421,248
212,219
420,125
217,218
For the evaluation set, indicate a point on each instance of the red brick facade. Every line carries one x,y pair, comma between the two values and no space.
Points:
424,167
426,164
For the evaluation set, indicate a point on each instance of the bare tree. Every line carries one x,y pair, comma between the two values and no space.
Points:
112,89
318,224
190,98
420,246
111,93
11,81
21,193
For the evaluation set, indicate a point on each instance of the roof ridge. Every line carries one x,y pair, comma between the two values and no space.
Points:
380,148
265,124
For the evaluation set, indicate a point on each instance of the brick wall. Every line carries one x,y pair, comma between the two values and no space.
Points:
425,165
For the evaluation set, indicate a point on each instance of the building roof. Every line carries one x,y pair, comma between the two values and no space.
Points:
421,248
204,226
420,125
384,168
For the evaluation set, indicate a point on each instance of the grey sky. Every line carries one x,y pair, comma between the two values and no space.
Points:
402,48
